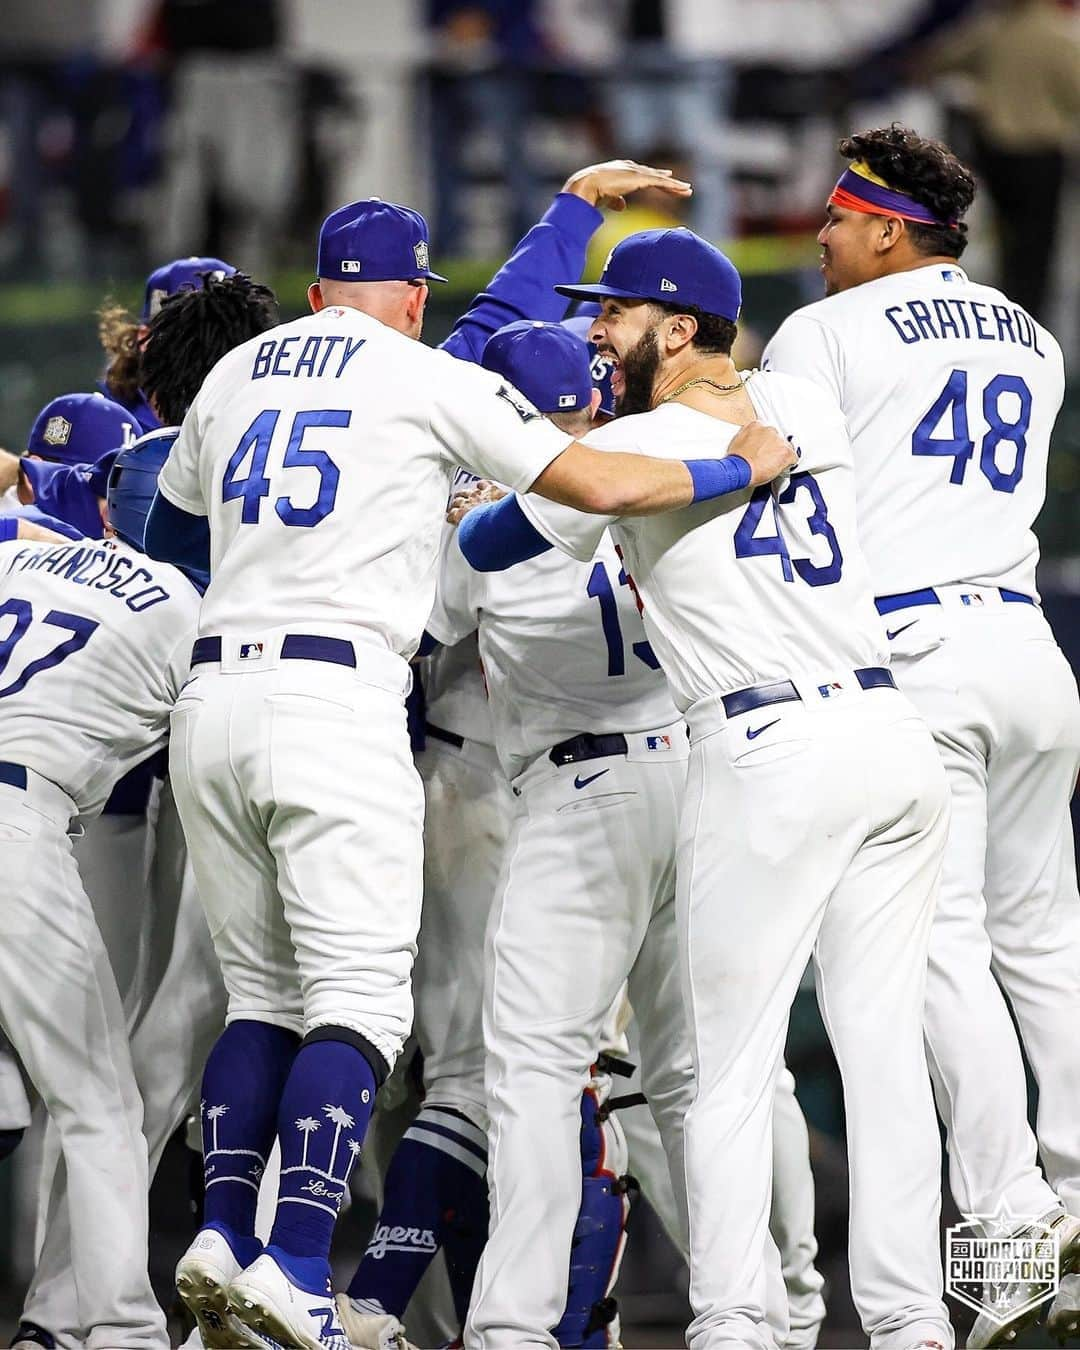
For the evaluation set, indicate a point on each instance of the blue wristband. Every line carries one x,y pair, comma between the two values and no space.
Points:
716,477
9,528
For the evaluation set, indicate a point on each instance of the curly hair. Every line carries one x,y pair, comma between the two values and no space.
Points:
118,333
193,330
927,171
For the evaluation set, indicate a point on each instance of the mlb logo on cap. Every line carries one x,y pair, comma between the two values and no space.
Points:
57,431
351,265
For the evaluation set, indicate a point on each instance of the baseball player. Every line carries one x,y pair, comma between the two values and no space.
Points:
132,858
122,336
321,455
119,624
815,810
467,817
950,392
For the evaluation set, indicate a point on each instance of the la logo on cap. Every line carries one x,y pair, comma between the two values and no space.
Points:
666,285
420,253
57,431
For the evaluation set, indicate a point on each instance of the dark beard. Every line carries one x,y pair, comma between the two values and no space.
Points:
639,368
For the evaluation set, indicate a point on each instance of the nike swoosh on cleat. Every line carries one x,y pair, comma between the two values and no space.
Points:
580,782
895,632
752,733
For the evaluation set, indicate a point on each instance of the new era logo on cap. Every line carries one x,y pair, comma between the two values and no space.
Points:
666,285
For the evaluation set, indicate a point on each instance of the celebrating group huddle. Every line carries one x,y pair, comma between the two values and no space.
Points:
724,672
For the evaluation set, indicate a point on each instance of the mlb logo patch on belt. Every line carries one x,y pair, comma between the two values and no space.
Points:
971,599
251,651
830,690
657,742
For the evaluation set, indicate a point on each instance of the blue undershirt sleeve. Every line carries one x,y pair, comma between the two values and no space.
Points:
178,537
495,537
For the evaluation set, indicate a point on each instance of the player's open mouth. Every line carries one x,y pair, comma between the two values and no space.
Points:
618,383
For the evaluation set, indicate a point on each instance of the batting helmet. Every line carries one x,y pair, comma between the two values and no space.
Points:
133,483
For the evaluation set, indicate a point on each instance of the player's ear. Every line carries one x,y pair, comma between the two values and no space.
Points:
680,330
594,404
891,231
418,294
315,297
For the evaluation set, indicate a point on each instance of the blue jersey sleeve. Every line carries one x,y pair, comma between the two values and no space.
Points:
551,254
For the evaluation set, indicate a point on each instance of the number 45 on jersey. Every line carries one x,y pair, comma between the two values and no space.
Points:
254,449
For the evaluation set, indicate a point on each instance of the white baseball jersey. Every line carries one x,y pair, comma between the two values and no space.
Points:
758,585
322,453
563,647
950,392
455,694
96,645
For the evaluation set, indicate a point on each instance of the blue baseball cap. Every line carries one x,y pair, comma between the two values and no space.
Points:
182,274
548,363
600,367
671,267
374,240
70,492
80,428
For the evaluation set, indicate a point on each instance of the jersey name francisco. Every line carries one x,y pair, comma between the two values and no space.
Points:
98,568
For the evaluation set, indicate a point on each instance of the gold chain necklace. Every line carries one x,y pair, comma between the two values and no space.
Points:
723,390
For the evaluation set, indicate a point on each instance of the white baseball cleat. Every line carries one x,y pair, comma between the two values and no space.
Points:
1063,1320
203,1276
987,1332
288,1301
369,1330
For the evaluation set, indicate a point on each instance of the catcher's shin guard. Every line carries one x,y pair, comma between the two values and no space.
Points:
591,1318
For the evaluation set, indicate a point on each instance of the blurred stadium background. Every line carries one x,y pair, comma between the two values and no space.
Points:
134,131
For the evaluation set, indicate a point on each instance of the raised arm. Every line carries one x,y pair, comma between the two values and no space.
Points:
554,249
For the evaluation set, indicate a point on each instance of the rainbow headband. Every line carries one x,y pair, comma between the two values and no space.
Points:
860,189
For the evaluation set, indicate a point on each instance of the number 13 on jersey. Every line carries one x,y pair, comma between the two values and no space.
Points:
254,453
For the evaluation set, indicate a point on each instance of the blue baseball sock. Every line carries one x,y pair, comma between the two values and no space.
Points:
241,1089
436,1195
325,1109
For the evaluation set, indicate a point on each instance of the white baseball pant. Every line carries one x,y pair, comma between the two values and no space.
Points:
1002,704
61,1010
304,815
467,819
586,900
171,1029
822,835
